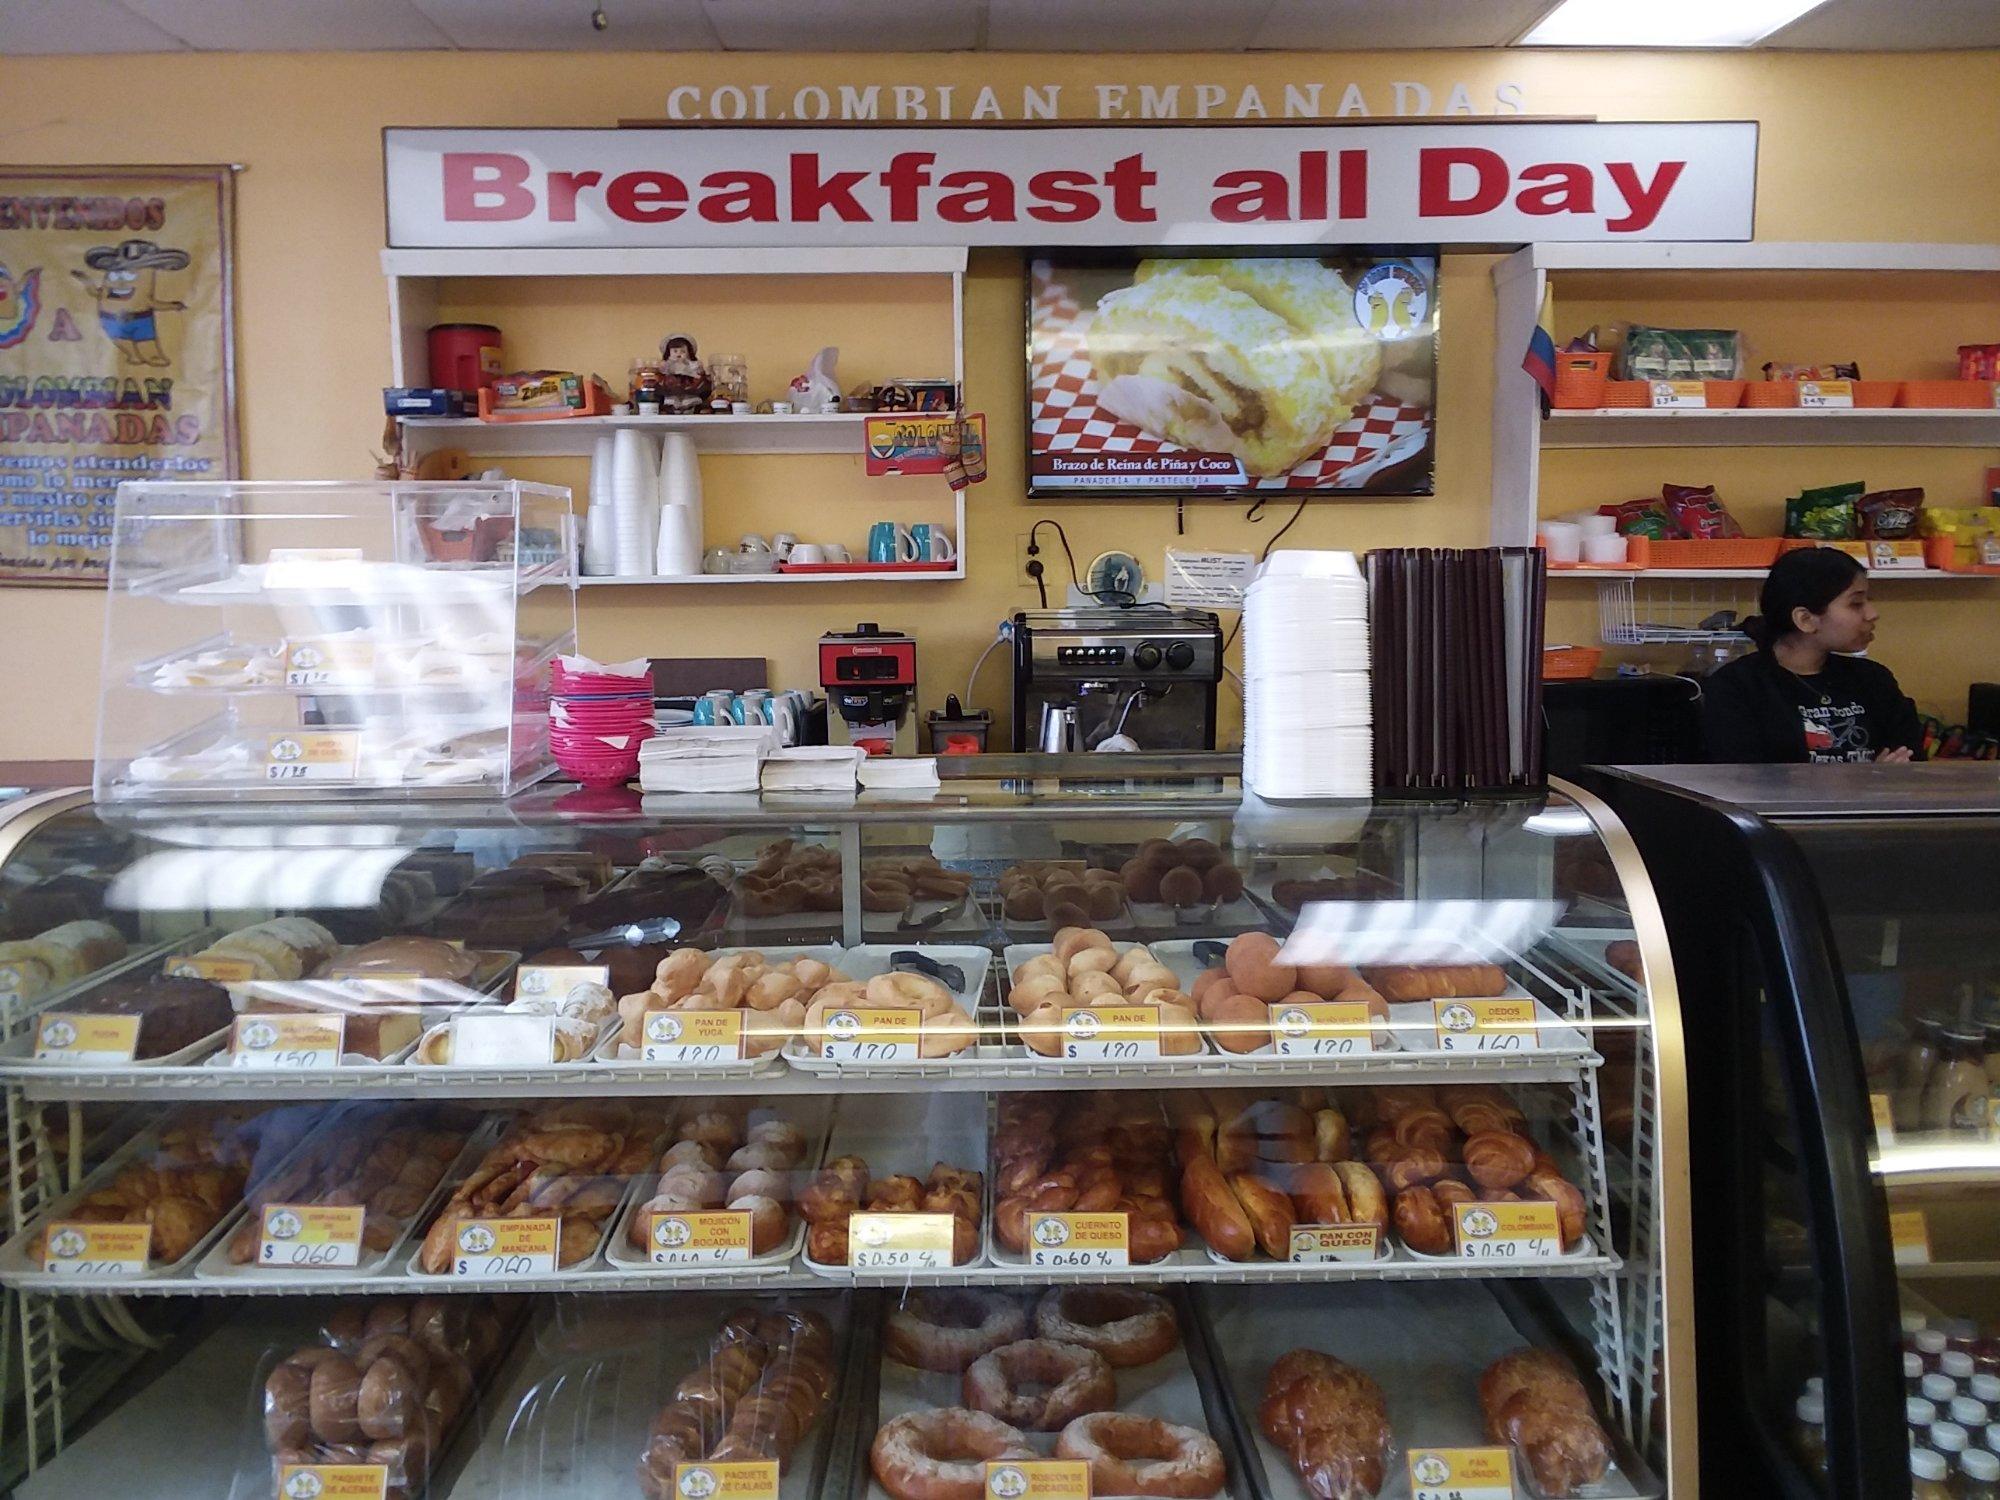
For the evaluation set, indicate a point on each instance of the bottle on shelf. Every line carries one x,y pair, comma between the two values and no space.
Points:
1978,1476
1950,1439
1907,1098
1918,1414
1970,1413
1957,1365
1938,1390
1929,1474
1957,1094
1930,1346
1809,1432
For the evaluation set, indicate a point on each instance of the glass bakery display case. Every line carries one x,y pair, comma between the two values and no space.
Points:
1836,935
366,639
1047,1134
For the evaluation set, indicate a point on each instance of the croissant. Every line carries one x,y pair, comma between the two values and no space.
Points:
1498,1159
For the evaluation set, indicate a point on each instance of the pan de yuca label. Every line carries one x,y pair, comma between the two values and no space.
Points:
752,1479
718,1238
694,1038
1500,1025
86,1039
333,1481
1111,1033
873,1034
1461,1474
1507,1231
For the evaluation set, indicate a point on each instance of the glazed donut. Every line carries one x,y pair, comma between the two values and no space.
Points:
946,1330
1134,1455
942,1455
1040,1384
1125,1325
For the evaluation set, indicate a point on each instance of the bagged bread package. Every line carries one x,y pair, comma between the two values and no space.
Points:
1681,354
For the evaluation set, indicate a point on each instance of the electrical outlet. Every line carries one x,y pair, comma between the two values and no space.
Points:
1021,545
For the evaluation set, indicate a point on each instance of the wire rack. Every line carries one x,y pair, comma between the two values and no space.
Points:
1670,612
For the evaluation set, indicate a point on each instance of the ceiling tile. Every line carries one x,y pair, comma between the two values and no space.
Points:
846,25
1369,25
53,26
292,25
564,25
1894,26
1122,25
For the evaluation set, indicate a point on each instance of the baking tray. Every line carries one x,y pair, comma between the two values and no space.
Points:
488,975
18,1054
974,962
1424,1346
812,1115
1155,919
1017,954
622,1060
910,1133
570,1420
1180,1387
937,917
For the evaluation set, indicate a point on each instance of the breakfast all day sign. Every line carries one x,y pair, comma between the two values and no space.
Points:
1445,182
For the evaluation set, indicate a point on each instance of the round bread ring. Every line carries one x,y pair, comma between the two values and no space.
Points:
1134,1455
1069,1381
946,1330
943,1454
1125,1325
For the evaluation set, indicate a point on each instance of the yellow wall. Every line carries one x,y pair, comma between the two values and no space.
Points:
1854,147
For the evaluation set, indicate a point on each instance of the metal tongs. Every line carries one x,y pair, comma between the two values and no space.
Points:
631,935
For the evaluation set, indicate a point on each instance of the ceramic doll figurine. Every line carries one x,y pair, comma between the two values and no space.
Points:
684,377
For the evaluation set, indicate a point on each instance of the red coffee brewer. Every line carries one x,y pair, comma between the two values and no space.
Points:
870,677
464,356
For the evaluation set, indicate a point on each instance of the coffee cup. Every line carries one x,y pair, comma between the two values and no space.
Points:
837,552
889,542
752,542
807,552
782,543
932,543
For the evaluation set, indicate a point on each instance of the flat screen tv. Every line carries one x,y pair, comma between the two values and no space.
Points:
1157,375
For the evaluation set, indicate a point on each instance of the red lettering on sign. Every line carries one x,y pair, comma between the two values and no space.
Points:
646,197
987,196
739,196
563,188
1644,200
1262,196
1435,198
1312,185
1354,184
1128,180
1068,197
905,175
1571,189
811,193
485,186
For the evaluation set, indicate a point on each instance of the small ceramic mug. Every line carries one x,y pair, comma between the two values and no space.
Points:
837,552
933,543
889,542
807,552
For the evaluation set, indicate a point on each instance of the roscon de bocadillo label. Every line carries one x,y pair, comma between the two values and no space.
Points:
1037,1479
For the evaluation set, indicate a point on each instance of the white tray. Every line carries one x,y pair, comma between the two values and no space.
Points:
961,919
909,1133
1017,954
622,1060
1206,919
870,959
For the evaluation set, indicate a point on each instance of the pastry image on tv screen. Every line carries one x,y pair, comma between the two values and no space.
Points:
1246,375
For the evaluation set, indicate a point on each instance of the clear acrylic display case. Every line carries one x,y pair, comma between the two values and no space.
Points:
367,638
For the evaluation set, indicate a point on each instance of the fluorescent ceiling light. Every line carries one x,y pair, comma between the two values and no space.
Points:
1664,23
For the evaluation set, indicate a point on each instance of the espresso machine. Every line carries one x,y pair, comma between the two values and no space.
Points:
1145,672
870,678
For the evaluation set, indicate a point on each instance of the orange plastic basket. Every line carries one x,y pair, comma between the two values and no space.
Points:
1570,663
1877,392
1721,395
1628,394
1715,552
1765,394
1580,380
1951,395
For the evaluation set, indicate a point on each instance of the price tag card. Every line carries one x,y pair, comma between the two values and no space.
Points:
312,755
503,1041
96,1249
214,970
1885,1119
1896,557
1485,1025
329,663
507,1247
1111,1033
1826,394
1038,1479
1910,1237
1079,1242
899,1242
1679,395
333,1481
14,977
1507,1231
281,1041
310,1236
700,1239
96,1041
1319,1244
873,1034
1461,1474
1333,1028
693,1038
744,1479
555,981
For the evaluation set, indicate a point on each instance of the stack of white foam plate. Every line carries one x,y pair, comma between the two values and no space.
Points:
1307,713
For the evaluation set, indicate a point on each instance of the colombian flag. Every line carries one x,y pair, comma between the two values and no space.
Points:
1540,360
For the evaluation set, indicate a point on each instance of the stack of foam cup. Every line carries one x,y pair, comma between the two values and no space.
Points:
1307,711
599,716
679,549
600,530
635,503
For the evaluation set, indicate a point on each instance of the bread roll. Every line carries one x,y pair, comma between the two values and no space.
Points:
1269,1212
1212,1207
1532,1400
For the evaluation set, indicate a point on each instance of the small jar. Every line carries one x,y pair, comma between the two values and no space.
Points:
1809,1432
1950,1439
1930,1344
1957,1366
1978,1475
1928,1473
1938,1390
1969,1413
1983,1387
1913,1373
1918,1414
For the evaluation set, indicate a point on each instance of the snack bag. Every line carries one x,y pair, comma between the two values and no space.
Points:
1681,353
1647,518
1697,513
1889,515
1825,514
1847,370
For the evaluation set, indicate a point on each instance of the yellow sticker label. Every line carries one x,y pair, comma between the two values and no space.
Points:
1885,1119
312,755
1507,1231
555,981
1332,1028
900,1242
96,1249
215,970
1501,1025
311,1236
1461,1474
1826,394
694,1038
329,663
747,1479
333,1481
1320,1244
1038,1479
63,1037
1896,557
720,1238
1111,1033
873,1033
299,1042
1079,1242
507,1247
1910,1237
1678,394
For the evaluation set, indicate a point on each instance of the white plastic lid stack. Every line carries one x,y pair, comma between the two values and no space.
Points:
1307,704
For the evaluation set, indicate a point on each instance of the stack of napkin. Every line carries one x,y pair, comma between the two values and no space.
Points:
813,768
706,758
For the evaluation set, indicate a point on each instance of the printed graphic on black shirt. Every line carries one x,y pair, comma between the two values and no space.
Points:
1836,732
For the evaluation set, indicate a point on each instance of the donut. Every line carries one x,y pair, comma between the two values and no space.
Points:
1134,1455
1040,1384
1127,1326
942,1455
946,1330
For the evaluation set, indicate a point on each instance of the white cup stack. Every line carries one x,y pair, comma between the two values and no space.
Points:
1307,712
679,550
600,529
635,503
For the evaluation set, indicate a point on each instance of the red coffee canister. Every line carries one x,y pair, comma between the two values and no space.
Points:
464,356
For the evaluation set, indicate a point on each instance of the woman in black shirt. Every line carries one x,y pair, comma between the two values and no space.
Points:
1800,696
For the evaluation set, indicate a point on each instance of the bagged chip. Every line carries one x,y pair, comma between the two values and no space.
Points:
1825,514
1889,515
1647,518
1697,513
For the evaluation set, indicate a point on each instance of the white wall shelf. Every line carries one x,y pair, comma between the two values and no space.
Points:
1861,427
797,432
1875,575
786,578
1755,255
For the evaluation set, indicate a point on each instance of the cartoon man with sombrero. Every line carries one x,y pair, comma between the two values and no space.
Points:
127,294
